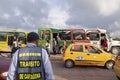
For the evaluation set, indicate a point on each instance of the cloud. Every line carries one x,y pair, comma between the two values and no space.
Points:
15,14
94,13
31,14
114,28
107,8
58,16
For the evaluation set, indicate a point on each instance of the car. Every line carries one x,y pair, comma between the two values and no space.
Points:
4,66
116,67
88,55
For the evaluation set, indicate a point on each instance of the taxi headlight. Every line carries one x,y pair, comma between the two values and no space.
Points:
4,74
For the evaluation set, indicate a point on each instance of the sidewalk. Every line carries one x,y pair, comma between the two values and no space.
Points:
56,57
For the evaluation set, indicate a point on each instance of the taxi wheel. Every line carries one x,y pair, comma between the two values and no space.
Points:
69,63
109,64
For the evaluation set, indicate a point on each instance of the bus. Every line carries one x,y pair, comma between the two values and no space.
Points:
61,35
8,36
96,37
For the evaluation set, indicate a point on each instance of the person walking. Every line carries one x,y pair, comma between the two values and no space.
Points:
54,46
104,44
47,45
30,62
64,45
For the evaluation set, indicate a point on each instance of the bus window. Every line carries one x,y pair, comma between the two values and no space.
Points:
93,36
103,35
61,35
65,35
77,35
10,40
22,38
41,35
21,34
3,36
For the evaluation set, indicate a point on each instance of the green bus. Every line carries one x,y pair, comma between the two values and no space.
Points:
61,35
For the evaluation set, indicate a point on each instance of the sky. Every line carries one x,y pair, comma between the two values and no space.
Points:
29,15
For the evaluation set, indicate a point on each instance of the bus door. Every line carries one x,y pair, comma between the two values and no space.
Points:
64,39
107,37
44,35
4,45
94,37
22,38
64,35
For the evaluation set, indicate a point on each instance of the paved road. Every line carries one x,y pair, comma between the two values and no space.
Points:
79,73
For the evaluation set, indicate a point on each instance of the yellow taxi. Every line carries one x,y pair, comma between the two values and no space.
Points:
116,67
87,54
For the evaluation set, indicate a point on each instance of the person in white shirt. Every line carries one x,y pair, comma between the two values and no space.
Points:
47,45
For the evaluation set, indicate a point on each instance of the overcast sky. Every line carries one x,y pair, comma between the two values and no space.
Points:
28,15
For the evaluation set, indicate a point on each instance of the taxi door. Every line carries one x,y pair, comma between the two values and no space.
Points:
77,54
94,56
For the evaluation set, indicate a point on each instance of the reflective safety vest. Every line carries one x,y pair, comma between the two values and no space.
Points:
30,64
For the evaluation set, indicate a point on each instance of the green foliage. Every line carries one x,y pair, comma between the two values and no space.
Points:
118,39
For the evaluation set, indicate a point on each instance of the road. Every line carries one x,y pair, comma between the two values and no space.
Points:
79,72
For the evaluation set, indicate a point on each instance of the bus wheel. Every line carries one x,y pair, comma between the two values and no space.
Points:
62,50
115,50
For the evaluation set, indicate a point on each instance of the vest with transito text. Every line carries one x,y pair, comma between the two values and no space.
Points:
30,64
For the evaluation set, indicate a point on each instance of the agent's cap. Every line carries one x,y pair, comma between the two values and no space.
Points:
32,36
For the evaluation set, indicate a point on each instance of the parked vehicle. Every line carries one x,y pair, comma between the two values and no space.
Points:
4,66
7,37
87,54
93,36
97,36
116,67
61,35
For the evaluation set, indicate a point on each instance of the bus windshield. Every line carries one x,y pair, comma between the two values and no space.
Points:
93,36
3,36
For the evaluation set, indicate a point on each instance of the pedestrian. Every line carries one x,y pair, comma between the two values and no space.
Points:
54,46
104,44
64,45
30,62
47,45
14,46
